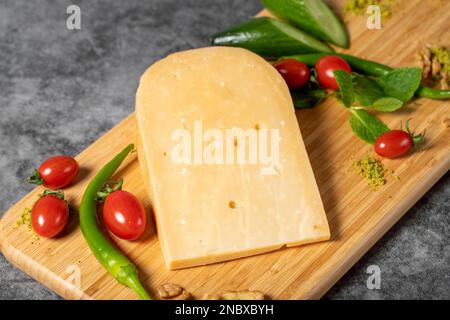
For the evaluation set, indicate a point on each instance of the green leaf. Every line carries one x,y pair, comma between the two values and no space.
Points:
401,83
314,78
344,81
366,126
387,104
306,99
369,94
366,90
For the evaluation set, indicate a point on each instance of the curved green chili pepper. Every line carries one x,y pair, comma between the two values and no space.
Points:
107,254
371,68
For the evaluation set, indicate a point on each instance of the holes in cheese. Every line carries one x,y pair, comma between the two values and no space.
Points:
223,159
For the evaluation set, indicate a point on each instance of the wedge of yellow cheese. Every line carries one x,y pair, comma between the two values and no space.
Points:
223,158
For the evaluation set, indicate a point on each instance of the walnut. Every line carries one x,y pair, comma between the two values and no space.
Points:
208,296
444,84
445,78
173,292
446,122
432,69
183,296
243,295
424,59
435,67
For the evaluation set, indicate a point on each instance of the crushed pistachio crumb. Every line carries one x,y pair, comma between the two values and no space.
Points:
372,170
443,57
359,7
25,220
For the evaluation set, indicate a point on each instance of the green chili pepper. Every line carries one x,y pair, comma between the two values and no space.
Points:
107,254
371,68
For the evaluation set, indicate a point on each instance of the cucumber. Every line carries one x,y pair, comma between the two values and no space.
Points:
312,16
269,38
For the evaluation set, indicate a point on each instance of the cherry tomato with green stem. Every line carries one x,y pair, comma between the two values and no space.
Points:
325,68
123,213
393,144
56,172
50,214
396,143
295,73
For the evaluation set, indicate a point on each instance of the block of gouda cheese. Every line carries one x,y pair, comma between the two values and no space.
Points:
223,159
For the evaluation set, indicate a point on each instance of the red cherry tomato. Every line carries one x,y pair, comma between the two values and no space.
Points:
295,73
325,71
57,172
49,216
124,215
393,144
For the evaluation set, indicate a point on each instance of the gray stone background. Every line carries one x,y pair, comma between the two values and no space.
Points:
60,90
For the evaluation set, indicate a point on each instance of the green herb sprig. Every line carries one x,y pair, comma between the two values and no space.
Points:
387,93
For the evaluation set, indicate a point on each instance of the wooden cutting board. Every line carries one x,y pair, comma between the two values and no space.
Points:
358,215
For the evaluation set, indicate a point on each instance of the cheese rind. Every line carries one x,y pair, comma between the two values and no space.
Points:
207,213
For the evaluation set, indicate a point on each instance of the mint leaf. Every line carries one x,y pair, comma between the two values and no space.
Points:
370,95
366,126
308,98
366,90
344,81
401,83
387,104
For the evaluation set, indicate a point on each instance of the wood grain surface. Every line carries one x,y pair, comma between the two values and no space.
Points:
358,215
